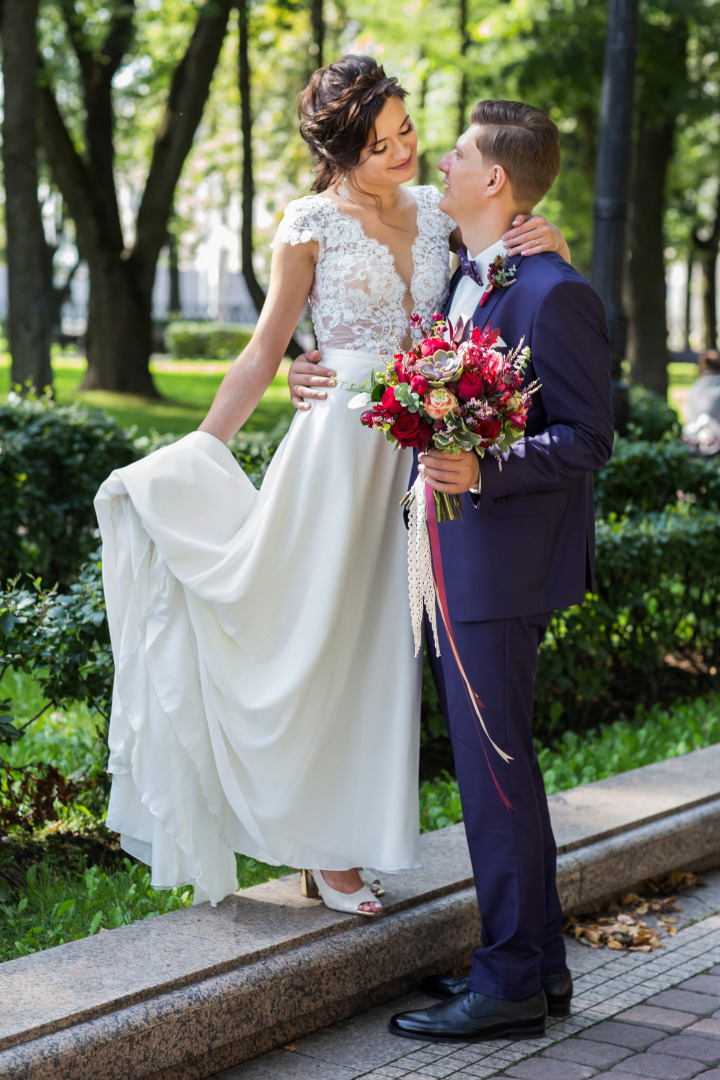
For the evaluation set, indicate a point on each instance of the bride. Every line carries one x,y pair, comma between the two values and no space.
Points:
266,697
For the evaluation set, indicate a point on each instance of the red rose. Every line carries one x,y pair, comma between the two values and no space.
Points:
400,371
425,436
488,430
419,385
471,385
431,345
390,404
407,429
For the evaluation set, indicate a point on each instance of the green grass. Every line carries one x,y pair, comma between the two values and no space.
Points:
187,393
573,760
681,375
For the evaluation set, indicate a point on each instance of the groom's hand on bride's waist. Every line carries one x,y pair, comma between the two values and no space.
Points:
306,378
453,473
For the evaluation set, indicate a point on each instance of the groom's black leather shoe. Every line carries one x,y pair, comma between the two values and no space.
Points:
558,989
470,1017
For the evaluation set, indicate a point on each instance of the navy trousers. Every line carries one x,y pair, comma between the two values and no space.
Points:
513,851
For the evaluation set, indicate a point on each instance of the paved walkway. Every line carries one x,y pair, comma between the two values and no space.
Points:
635,1015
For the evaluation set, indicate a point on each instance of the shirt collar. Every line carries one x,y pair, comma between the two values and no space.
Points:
485,257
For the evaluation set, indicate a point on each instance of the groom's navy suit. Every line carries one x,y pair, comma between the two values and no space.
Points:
525,547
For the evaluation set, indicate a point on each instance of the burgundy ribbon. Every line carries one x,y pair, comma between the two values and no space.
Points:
439,578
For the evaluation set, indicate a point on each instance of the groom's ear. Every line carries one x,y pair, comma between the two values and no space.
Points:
497,180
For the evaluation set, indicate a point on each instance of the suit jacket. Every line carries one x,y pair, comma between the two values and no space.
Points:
526,544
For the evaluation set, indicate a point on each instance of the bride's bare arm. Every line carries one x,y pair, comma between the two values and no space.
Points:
291,278
522,238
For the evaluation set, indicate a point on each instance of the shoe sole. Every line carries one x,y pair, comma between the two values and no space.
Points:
519,1033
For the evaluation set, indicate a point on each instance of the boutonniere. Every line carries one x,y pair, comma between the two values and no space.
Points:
500,275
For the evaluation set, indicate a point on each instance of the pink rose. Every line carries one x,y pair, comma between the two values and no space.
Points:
439,402
432,345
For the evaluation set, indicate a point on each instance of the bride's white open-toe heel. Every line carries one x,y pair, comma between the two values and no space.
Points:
312,883
374,884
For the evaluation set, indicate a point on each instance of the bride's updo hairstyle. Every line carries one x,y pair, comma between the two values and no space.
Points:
338,109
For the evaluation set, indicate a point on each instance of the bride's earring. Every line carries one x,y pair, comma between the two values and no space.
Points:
343,189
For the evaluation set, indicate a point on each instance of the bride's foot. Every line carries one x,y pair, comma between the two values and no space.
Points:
341,890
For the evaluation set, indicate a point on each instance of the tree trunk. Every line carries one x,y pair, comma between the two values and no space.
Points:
690,263
119,337
708,248
423,166
709,268
175,302
28,315
647,285
317,18
464,47
254,287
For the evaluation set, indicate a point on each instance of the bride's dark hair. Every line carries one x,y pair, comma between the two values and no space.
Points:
338,109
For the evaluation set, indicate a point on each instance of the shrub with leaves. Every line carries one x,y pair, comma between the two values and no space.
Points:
650,417
52,461
642,477
658,594
207,340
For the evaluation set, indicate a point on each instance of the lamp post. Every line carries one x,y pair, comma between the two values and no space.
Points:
612,186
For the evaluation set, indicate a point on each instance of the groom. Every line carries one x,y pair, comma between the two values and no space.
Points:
524,548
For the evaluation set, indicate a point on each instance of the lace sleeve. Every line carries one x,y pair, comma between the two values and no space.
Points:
432,197
300,223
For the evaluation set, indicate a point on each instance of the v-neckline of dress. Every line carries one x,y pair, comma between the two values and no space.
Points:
408,288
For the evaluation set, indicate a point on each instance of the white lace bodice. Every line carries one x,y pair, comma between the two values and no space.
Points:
358,297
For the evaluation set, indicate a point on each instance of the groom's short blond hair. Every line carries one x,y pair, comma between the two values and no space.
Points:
525,141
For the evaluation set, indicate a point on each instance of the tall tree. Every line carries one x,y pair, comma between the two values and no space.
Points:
662,89
317,21
247,245
122,273
462,102
707,247
28,314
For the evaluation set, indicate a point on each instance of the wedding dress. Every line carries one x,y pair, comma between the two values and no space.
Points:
266,698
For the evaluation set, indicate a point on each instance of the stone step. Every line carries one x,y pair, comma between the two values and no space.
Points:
184,995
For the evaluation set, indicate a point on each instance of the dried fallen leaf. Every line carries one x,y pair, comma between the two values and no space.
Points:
613,944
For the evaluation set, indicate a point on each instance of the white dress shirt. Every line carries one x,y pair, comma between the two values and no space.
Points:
468,293
467,297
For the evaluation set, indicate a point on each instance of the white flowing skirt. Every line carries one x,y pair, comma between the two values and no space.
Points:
266,698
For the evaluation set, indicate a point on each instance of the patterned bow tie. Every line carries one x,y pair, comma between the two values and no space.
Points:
470,268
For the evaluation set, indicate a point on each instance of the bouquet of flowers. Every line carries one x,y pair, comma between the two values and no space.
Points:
452,390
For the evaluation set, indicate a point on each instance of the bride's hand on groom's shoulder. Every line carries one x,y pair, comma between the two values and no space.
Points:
306,378
532,234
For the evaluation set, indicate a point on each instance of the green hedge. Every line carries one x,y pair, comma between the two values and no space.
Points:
207,340
655,614
52,461
650,417
658,597
642,477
